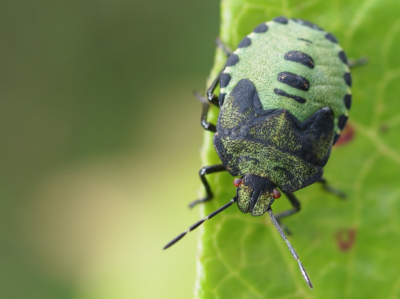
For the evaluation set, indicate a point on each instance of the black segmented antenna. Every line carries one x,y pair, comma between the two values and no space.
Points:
198,223
232,201
292,251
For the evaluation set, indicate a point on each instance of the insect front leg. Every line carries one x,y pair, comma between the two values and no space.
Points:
204,123
331,189
212,98
295,204
202,173
296,207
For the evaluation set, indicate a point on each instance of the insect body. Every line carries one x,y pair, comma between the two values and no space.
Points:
284,100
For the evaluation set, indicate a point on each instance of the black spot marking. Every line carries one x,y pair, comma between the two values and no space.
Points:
331,37
307,23
347,100
224,81
280,92
282,20
294,80
300,57
347,79
261,28
342,122
335,138
244,43
343,57
305,40
232,60
221,99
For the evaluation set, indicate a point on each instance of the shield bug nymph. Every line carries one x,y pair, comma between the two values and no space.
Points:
284,100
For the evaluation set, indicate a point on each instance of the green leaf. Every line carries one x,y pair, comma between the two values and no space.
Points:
241,256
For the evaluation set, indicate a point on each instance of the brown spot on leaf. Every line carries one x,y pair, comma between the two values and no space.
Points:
345,238
384,128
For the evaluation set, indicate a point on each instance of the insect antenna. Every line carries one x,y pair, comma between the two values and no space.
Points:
292,251
198,223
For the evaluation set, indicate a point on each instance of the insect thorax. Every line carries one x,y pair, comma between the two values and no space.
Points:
272,143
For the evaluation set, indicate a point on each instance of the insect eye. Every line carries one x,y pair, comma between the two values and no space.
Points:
276,193
237,182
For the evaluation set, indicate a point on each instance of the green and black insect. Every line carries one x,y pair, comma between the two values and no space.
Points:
284,100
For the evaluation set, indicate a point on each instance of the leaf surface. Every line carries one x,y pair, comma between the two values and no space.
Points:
349,248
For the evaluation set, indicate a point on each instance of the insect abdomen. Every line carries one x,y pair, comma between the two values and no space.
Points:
294,65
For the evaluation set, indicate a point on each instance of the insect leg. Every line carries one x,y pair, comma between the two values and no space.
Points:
202,173
331,189
212,98
204,123
223,47
294,202
357,62
210,91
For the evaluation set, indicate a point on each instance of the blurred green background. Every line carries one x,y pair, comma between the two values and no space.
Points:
100,139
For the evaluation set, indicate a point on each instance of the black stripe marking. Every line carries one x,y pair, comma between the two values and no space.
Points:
331,37
221,99
342,122
244,43
300,57
294,80
307,23
343,57
224,81
347,101
280,92
261,28
232,60
347,79
335,138
305,40
282,20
